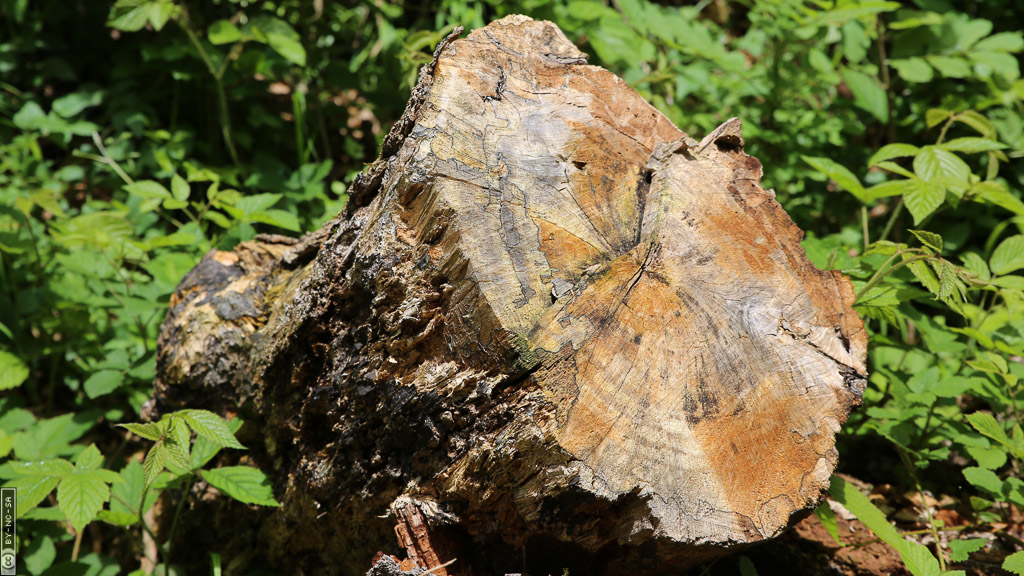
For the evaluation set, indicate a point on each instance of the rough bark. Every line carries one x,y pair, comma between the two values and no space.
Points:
550,326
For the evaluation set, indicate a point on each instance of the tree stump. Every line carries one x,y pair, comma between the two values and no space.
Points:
549,331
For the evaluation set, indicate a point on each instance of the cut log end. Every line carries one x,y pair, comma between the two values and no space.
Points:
605,334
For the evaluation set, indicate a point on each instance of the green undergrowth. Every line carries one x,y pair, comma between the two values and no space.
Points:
137,135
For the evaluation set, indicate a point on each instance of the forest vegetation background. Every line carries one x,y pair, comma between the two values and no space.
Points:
137,135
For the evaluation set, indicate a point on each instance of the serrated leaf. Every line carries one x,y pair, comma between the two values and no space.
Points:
930,239
1014,563
924,275
13,371
895,168
126,496
984,479
150,431
32,490
81,496
890,151
243,483
210,426
1008,256
971,145
154,462
987,425
961,549
89,459
989,458
932,163
922,198
861,506
919,559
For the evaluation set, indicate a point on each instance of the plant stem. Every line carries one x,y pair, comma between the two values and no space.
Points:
892,219
886,269
177,516
864,225
77,546
222,99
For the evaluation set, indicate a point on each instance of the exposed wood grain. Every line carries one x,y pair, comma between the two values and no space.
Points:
586,338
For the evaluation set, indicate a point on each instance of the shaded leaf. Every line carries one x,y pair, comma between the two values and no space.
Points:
243,483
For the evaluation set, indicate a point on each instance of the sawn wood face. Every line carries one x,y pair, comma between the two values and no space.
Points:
658,294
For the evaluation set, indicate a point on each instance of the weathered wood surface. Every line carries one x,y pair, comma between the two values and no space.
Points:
568,333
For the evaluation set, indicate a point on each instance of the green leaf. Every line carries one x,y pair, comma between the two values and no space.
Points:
746,566
81,494
988,63
828,520
961,549
935,116
971,145
150,431
930,239
279,218
117,518
987,425
922,198
148,189
978,122
103,382
890,151
933,162
984,479
989,458
154,462
13,371
914,70
1008,256
919,559
887,189
1014,563
180,188
1002,42
290,48
39,554
868,94
838,173
223,32
210,426
73,104
126,496
129,15
243,483
860,505
950,66
32,490
994,192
